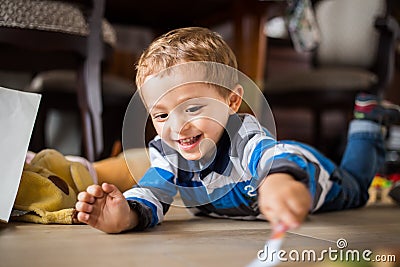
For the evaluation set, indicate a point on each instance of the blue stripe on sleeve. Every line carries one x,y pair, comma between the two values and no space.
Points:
159,178
311,182
300,161
334,192
257,154
328,165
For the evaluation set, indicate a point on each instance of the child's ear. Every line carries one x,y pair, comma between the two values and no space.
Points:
235,98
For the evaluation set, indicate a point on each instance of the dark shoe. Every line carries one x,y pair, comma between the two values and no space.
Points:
368,107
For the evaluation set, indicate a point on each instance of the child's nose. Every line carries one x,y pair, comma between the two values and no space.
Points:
178,124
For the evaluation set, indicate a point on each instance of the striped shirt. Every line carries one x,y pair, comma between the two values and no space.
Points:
226,185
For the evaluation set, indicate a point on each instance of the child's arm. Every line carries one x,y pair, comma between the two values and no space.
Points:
105,208
282,199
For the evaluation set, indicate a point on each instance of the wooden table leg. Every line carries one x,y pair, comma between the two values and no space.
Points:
250,43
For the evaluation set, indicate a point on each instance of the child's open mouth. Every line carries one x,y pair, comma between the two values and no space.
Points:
189,143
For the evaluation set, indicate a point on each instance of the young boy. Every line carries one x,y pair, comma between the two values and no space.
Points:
222,163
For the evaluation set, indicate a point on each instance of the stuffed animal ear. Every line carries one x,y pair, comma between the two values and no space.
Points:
60,183
74,173
56,163
81,176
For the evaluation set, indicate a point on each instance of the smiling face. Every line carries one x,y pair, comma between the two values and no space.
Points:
191,118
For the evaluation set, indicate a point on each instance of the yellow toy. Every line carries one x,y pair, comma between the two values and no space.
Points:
379,190
49,187
50,183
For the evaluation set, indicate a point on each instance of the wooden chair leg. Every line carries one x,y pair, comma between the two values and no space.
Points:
95,105
89,87
91,81
90,104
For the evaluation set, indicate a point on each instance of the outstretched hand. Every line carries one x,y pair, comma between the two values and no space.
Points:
105,208
283,200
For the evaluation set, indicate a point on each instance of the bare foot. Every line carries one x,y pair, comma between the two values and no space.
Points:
105,208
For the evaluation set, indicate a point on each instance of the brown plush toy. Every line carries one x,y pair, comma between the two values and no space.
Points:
48,189
50,183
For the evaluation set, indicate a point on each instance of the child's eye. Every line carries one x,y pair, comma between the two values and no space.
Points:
160,117
193,109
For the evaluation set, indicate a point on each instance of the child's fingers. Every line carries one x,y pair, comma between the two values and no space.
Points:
111,190
297,207
272,217
86,197
300,206
95,190
290,219
83,207
278,213
285,210
83,217
282,213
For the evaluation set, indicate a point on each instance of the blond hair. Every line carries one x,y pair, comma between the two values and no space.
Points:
183,45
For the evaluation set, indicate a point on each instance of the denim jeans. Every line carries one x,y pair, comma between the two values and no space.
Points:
363,157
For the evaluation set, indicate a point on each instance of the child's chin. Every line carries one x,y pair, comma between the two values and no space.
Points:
189,156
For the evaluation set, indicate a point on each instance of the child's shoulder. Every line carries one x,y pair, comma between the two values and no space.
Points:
249,125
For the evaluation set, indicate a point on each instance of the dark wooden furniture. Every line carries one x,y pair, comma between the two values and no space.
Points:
45,37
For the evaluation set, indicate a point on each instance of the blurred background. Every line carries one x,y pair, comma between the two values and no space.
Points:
265,35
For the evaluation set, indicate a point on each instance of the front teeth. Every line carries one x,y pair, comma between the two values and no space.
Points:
189,141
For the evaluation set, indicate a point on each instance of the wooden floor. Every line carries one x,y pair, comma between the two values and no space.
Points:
184,240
